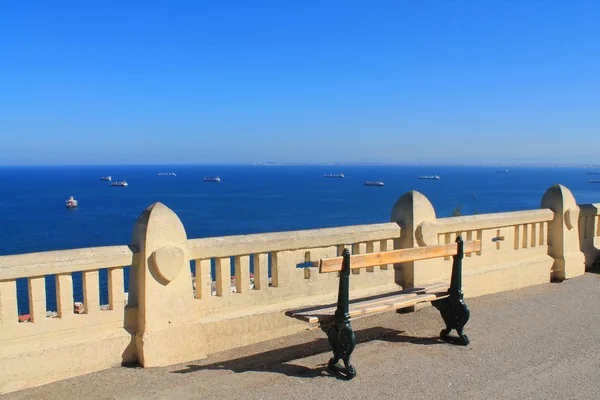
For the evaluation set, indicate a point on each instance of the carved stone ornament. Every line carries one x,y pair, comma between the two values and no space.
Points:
167,262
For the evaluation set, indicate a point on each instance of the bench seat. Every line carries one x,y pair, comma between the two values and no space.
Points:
374,305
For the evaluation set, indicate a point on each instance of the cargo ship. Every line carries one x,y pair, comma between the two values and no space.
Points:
119,183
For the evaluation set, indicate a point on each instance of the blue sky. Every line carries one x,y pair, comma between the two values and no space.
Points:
113,82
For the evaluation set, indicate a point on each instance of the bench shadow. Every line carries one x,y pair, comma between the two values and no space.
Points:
278,360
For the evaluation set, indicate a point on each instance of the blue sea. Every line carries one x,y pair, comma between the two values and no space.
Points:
249,199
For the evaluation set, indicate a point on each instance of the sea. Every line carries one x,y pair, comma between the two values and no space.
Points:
249,199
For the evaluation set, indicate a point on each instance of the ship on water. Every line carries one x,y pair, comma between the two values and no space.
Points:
374,183
167,174
119,184
431,177
334,176
106,178
594,181
212,179
71,203
502,171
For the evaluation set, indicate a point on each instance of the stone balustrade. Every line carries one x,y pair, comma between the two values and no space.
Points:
589,231
189,298
290,257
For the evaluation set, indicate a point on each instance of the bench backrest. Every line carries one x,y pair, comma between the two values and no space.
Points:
397,256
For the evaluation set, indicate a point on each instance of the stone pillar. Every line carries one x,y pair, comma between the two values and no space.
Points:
563,235
161,290
410,211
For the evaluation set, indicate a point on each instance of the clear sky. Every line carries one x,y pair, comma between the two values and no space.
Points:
113,82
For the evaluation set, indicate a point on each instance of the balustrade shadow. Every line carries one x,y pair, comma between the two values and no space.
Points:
277,361
595,268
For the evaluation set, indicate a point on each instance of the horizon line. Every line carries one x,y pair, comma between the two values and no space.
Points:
269,163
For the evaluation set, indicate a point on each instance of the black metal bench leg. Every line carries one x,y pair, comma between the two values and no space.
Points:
342,340
453,309
455,315
340,334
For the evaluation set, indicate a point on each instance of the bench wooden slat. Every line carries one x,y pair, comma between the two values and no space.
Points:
362,312
392,301
384,298
397,256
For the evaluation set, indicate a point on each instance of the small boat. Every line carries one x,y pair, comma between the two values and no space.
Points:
106,178
593,173
334,176
502,171
431,177
119,183
167,174
594,181
373,183
71,203
212,179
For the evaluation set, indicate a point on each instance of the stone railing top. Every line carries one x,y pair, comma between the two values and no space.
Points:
63,261
589,209
93,258
428,230
226,246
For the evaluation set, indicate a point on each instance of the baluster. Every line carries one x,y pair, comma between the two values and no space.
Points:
91,291
524,231
543,231
203,279
116,290
517,236
533,235
389,246
223,276
469,238
307,260
480,238
275,269
261,271
447,240
498,240
242,274
358,248
372,247
9,313
383,246
64,295
37,299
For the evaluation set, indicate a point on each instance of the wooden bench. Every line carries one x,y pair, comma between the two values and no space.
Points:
335,321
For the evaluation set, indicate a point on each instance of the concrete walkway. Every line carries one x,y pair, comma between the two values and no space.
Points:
541,342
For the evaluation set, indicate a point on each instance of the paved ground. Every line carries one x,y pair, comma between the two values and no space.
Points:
535,343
